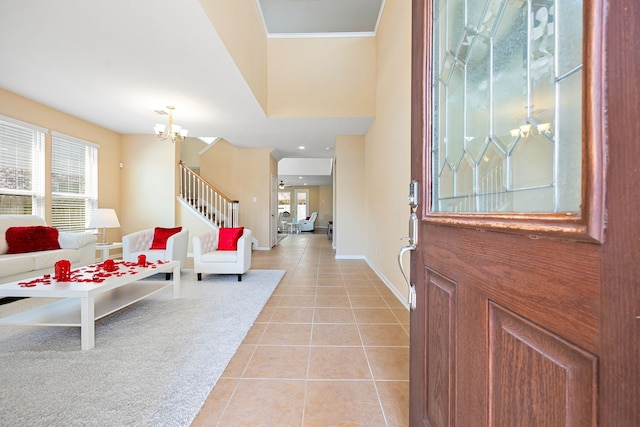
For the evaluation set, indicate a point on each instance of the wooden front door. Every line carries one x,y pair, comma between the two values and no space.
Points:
527,294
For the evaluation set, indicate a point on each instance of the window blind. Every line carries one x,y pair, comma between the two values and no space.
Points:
284,201
74,181
21,167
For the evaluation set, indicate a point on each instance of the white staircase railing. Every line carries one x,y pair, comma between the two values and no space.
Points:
206,200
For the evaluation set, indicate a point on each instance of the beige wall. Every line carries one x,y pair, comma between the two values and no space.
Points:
322,77
388,146
349,223
296,77
150,183
325,208
190,152
239,25
109,174
245,175
273,167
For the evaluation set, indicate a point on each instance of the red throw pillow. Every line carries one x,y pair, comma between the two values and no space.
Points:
160,236
228,238
308,218
31,239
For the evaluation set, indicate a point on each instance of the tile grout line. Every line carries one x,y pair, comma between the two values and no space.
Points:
246,366
313,312
364,350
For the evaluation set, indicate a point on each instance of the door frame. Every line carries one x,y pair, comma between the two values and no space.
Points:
273,223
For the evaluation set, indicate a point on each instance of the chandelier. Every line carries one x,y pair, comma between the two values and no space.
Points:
175,132
281,185
527,129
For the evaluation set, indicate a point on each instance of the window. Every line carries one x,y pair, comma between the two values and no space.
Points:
507,105
21,168
284,201
301,204
74,181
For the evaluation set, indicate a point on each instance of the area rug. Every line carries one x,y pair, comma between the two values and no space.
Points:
154,362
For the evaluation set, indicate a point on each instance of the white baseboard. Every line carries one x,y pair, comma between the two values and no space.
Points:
351,257
389,285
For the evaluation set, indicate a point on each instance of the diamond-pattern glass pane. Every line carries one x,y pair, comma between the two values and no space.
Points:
569,35
446,182
507,108
493,172
532,163
464,178
474,147
455,117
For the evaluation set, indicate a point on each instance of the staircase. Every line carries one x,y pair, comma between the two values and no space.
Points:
209,202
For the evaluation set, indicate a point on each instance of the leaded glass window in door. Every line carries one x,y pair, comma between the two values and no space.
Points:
507,106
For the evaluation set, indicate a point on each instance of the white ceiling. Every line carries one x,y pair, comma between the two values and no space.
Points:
113,62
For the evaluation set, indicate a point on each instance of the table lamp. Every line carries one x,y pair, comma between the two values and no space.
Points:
104,218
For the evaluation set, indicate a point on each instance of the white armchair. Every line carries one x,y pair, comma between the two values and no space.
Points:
283,219
139,243
308,224
208,259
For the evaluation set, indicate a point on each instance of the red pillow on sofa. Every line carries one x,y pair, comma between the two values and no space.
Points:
31,239
161,235
228,238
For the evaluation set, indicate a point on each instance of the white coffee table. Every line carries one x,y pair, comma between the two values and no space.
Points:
83,303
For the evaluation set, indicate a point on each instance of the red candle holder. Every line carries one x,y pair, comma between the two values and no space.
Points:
62,270
142,260
109,265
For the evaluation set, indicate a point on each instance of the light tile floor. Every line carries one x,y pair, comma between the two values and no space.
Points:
330,348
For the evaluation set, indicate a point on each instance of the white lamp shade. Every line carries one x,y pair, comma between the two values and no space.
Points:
104,218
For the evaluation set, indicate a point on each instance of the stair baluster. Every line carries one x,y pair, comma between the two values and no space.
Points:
209,202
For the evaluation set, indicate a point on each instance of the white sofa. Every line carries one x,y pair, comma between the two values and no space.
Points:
139,243
208,259
77,247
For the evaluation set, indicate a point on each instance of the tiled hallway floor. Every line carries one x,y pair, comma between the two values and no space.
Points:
330,348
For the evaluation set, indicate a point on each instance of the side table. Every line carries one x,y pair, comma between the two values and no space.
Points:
106,247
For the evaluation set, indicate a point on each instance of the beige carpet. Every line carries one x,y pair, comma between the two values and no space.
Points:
154,363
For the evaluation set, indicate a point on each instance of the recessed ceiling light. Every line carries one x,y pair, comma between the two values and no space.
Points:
302,147
299,177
